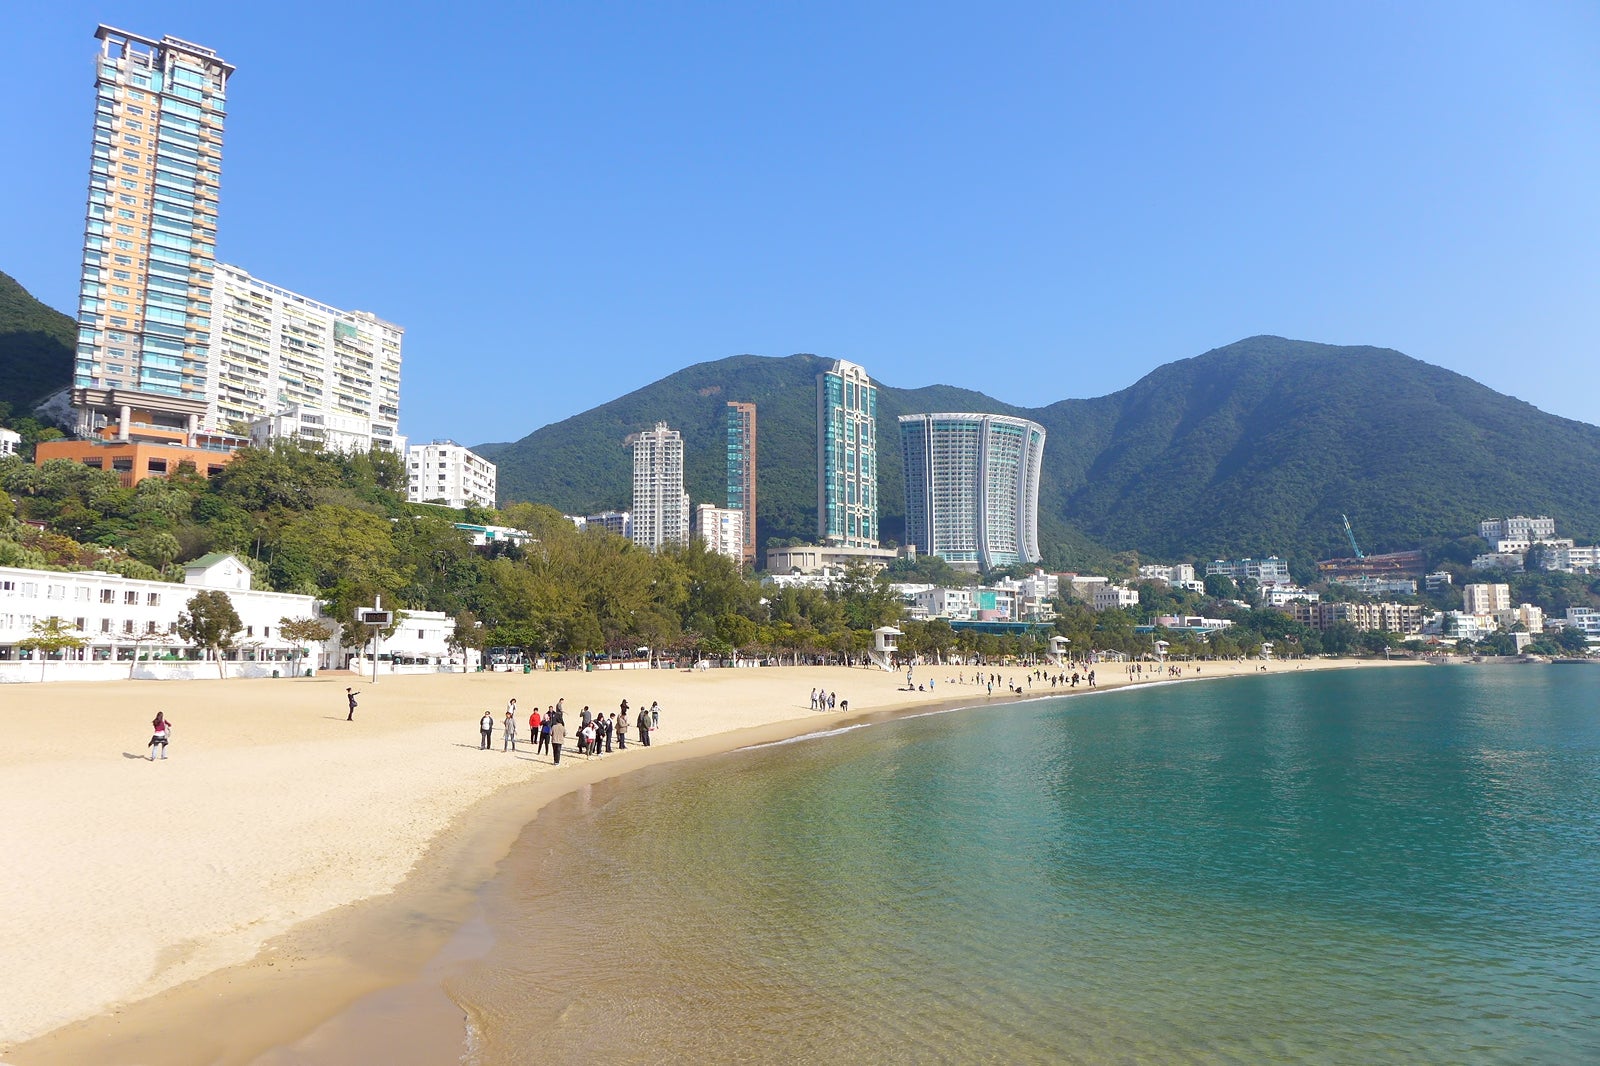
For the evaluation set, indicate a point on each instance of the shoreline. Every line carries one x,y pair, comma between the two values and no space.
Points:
314,967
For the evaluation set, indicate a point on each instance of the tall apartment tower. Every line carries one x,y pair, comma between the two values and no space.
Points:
660,506
742,471
273,350
149,247
847,457
972,487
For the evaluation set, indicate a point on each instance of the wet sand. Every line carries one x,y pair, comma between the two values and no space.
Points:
284,864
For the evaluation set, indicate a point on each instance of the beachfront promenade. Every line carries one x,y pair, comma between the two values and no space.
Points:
127,878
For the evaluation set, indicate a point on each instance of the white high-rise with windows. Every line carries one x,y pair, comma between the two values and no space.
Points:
972,487
660,506
275,352
445,472
721,529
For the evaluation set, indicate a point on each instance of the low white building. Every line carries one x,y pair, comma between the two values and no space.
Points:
1278,595
120,617
814,558
10,441
1109,596
337,431
483,536
1498,561
1369,585
1585,619
445,471
1084,586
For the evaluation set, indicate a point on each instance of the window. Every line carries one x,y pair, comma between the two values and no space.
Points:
153,599
81,594
127,627
55,592
149,627
30,588
108,595
130,596
81,624
105,625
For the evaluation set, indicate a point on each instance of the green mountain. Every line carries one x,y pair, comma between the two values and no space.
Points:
36,346
1254,448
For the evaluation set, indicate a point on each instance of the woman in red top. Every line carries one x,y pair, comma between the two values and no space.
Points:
533,729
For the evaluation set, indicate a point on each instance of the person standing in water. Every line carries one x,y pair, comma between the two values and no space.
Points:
160,733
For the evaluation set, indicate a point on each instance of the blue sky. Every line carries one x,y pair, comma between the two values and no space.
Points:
564,202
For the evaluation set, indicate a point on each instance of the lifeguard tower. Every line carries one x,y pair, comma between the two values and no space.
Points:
1058,650
884,647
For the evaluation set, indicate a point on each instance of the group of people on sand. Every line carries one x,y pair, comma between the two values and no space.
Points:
597,734
823,700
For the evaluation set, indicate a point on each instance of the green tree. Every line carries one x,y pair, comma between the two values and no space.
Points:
210,622
302,632
50,636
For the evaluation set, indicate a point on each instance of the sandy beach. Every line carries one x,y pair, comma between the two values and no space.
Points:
283,852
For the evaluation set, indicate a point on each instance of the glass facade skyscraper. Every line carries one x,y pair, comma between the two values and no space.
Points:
149,249
972,487
742,471
847,457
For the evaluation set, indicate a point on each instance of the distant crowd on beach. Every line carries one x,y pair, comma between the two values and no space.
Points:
597,733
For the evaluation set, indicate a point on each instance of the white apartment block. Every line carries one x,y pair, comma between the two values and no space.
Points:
1571,558
1512,561
1278,595
660,506
1517,527
1083,587
334,431
1586,620
1269,571
1109,596
445,471
617,522
10,441
722,529
1485,598
270,348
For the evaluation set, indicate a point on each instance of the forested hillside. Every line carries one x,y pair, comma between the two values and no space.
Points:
36,345
1254,448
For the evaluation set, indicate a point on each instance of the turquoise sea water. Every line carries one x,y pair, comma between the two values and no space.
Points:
1347,867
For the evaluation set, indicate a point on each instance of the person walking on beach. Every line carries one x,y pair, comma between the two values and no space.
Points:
558,737
510,742
160,733
351,697
644,724
655,715
485,731
544,730
533,729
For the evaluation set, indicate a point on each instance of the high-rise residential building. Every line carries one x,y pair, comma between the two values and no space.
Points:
660,506
742,472
444,471
272,349
847,457
149,248
721,529
972,487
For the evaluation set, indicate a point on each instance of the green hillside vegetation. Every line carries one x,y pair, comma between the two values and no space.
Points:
36,346
1252,449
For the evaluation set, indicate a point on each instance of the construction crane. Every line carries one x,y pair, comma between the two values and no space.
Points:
1352,535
